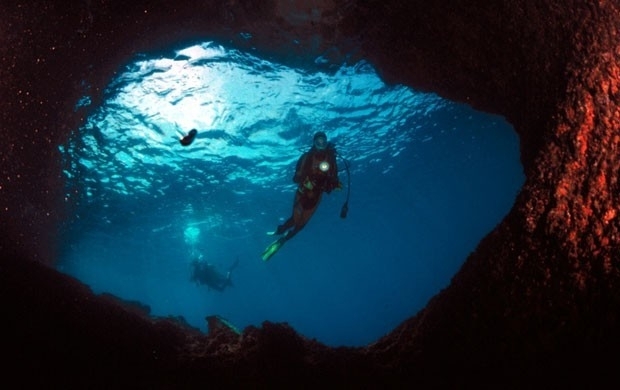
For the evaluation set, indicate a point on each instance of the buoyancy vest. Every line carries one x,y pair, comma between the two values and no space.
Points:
318,166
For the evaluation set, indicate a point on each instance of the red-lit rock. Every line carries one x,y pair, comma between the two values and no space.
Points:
537,304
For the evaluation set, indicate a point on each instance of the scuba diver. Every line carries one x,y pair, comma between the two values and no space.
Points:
206,273
316,172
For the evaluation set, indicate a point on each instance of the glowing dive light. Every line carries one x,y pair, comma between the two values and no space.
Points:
324,166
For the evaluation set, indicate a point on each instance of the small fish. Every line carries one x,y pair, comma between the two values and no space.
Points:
189,138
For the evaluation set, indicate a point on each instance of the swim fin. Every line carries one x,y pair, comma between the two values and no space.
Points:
273,248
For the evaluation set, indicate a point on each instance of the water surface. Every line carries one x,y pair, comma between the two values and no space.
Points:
429,178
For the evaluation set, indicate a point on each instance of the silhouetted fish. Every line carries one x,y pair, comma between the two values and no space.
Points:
189,138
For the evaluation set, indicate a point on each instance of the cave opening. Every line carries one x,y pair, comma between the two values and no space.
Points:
429,178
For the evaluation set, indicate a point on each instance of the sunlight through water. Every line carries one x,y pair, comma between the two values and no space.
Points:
429,178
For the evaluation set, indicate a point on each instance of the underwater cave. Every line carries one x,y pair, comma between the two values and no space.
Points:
520,291
428,179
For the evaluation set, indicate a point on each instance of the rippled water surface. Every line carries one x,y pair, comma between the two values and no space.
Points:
429,178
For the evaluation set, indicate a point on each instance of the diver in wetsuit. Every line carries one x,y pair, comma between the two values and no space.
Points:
316,172
206,273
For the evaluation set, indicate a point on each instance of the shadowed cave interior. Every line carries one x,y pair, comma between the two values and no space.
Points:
535,302
145,207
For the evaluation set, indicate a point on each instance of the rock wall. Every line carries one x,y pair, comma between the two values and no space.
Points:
537,303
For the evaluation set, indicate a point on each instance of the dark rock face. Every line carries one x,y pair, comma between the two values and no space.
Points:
538,303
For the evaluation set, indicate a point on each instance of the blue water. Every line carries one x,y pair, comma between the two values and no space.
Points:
429,179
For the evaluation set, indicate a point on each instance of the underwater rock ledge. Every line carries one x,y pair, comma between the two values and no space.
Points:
537,303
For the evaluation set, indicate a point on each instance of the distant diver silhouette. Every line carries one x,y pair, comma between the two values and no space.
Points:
207,273
189,138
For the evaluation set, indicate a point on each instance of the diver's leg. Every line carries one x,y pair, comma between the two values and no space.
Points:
291,221
301,216
285,226
302,211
